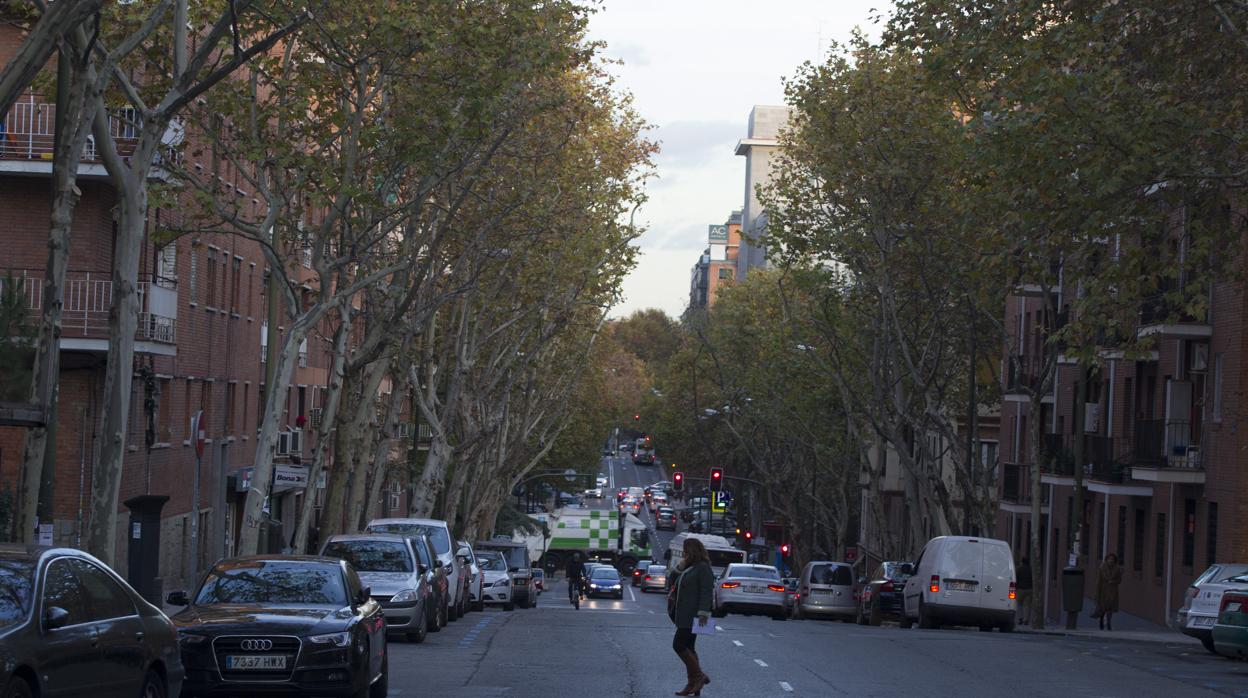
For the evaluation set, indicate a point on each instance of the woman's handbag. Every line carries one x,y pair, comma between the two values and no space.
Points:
672,592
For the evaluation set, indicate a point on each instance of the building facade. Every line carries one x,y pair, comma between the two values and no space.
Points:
759,149
718,263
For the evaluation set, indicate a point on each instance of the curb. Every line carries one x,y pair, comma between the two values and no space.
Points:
1178,639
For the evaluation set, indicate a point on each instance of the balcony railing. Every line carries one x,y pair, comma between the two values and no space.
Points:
1016,484
28,131
1102,458
86,300
1163,443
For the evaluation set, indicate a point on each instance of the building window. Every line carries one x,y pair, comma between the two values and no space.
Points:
1211,535
168,262
210,297
234,288
1057,553
1159,547
1137,542
186,408
725,273
1217,387
246,404
1122,535
260,397
251,290
194,295
205,404
1189,532
224,288
230,389
164,414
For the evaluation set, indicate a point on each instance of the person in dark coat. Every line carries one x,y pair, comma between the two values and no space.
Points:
1023,584
1108,577
690,589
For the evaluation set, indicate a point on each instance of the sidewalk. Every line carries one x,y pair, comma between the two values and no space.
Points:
1126,627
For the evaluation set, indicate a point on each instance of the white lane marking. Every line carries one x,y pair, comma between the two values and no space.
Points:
785,685
719,627
738,643
760,663
770,635
652,613
631,594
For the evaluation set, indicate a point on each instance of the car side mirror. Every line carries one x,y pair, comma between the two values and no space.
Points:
55,617
365,594
177,598
464,552
862,580
421,568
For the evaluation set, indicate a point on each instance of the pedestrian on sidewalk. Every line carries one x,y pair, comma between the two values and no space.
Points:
1108,577
1023,584
689,602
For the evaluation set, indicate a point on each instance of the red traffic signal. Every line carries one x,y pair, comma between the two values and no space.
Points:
636,418
678,481
749,535
784,549
717,478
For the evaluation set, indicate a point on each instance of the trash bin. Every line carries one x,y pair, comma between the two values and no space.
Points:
1072,590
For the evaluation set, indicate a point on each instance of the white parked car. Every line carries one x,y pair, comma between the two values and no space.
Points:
961,580
746,588
496,580
1204,597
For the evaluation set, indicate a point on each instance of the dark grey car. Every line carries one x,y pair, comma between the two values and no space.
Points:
69,626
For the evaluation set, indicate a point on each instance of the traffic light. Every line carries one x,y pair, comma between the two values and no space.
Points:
784,550
636,417
678,481
749,536
717,479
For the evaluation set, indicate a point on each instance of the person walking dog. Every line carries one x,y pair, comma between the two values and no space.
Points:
689,602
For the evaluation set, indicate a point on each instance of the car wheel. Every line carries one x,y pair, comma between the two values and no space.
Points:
1208,643
452,612
719,612
906,622
1006,627
780,616
381,687
18,688
860,618
926,622
153,686
509,606
874,615
478,605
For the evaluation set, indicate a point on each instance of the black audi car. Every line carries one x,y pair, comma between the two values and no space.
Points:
282,625
880,595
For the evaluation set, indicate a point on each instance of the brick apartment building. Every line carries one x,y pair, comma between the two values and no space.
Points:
1166,489
199,347
718,263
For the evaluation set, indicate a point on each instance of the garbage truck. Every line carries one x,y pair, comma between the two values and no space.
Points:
590,534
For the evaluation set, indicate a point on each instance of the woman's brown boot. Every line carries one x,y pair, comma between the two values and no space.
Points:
694,674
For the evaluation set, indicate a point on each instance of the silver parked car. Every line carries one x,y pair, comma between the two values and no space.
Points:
826,589
388,566
746,588
654,578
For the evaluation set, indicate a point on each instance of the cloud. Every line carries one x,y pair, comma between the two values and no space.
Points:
634,55
687,144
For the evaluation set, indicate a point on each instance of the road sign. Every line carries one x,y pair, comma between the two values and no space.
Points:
570,475
720,501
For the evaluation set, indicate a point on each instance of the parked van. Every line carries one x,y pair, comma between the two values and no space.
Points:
960,580
826,589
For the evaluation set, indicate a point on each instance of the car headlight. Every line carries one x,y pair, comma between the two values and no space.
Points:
593,586
333,639
405,596
187,639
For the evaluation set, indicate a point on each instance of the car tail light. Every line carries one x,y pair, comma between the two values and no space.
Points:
886,586
647,577
776,587
934,587
730,585
1013,590
1192,593
1233,601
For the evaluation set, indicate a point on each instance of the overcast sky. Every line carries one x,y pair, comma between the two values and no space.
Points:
696,67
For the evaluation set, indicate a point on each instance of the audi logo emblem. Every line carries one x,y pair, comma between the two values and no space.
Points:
256,645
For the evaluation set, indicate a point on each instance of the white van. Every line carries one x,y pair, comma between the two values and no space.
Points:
960,580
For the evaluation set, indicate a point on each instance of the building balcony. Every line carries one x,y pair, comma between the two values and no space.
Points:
1163,316
1016,488
1167,451
1104,459
84,315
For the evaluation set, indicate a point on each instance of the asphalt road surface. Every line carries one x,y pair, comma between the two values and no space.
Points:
623,648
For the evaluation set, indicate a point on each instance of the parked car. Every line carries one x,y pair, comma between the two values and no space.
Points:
71,626
496,579
1230,632
440,535
790,594
435,575
387,565
879,596
639,570
539,580
665,519
1203,600
604,581
745,588
959,580
825,589
474,575
520,567
282,623
655,579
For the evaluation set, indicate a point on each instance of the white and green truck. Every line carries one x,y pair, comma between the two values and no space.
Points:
590,534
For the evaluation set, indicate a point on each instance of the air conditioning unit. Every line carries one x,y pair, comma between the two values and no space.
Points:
314,417
290,442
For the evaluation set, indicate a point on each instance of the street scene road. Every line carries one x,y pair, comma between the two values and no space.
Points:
622,648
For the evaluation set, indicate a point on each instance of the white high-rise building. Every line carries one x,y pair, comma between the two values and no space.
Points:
759,148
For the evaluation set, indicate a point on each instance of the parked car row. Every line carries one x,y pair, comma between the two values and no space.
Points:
309,624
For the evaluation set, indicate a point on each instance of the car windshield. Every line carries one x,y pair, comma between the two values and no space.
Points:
17,577
753,572
606,573
437,535
656,569
372,555
492,562
514,556
723,558
1241,578
274,582
836,575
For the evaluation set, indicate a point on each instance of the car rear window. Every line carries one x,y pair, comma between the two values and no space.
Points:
372,555
753,572
492,561
832,575
274,582
17,578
